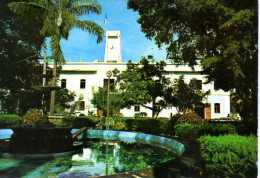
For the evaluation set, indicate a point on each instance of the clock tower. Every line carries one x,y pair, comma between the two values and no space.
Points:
112,49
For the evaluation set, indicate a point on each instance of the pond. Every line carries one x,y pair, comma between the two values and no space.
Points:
98,157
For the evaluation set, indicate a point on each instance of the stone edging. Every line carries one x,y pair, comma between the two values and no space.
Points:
136,137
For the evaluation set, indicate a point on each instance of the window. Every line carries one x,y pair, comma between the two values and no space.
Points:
137,108
82,83
81,105
217,107
111,83
63,83
196,84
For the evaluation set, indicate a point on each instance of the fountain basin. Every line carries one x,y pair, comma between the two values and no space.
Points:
136,137
106,152
41,140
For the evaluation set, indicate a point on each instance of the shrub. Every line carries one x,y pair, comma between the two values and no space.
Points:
229,155
80,121
216,129
9,120
114,123
189,130
190,117
170,126
152,126
247,126
140,115
186,130
34,117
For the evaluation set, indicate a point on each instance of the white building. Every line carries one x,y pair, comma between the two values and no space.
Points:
84,78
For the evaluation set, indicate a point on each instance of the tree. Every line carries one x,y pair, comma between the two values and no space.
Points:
20,45
64,100
100,101
221,35
144,84
185,97
60,16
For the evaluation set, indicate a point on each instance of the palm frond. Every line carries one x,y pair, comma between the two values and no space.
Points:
92,28
81,7
17,6
69,19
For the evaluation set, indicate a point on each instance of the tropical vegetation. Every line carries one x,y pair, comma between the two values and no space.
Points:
20,70
144,83
59,17
229,156
219,35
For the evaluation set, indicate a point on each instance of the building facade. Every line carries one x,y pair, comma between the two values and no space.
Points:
84,78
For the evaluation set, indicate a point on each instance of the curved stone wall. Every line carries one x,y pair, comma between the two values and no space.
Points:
135,137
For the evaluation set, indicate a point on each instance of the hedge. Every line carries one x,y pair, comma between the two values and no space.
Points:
146,125
216,129
79,122
188,130
229,156
9,120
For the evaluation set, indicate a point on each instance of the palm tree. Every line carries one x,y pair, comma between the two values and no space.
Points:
60,16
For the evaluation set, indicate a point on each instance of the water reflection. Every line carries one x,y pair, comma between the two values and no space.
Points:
97,158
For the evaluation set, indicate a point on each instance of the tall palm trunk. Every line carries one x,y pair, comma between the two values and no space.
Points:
53,92
57,58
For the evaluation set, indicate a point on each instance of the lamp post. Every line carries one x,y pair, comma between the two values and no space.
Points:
44,72
43,85
109,75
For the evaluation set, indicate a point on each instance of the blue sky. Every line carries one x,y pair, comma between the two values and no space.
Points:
81,46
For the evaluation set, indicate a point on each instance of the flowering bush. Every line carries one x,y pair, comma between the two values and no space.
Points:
33,117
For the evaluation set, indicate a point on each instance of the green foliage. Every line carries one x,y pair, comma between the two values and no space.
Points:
113,123
140,115
81,121
58,18
229,156
63,97
144,83
186,130
196,129
10,120
247,126
185,101
152,126
222,35
99,100
217,129
20,44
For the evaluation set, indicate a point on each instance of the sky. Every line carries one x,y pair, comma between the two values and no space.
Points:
81,46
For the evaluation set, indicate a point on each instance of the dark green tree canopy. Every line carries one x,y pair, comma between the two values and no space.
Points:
219,34
20,44
100,101
185,97
144,83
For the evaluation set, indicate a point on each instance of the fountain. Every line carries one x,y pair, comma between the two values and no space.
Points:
45,151
43,137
